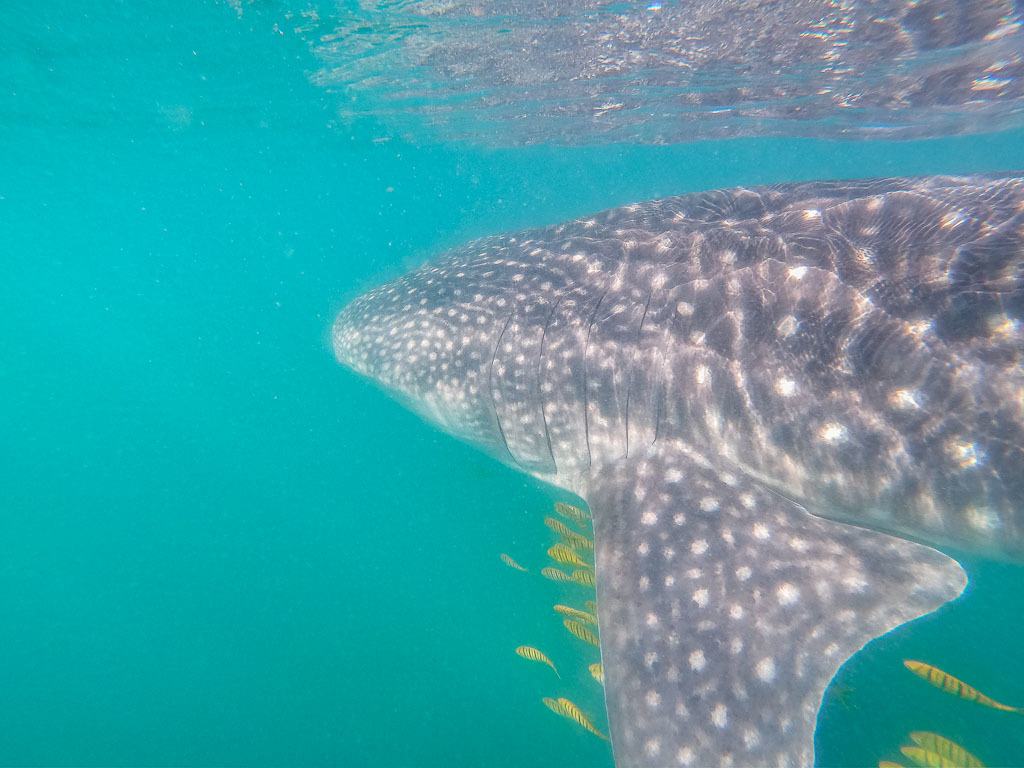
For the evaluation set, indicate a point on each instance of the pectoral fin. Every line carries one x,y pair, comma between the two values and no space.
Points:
725,610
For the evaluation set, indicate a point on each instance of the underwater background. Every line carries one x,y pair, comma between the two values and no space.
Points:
218,547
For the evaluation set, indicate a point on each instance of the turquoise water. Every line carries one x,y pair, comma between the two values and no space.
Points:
219,548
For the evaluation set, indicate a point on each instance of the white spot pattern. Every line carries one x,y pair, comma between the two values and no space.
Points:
632,327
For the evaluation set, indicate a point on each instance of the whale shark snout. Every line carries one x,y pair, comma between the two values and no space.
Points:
430,338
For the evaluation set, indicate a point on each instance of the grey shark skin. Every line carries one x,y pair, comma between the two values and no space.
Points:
773,399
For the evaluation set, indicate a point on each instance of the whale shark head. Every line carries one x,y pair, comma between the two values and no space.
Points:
432,337
772,399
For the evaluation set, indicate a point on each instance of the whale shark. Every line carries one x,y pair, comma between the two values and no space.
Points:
781,404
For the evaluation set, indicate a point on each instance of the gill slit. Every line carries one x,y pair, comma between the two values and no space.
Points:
659,397
632,364
540,383
586,381
490,389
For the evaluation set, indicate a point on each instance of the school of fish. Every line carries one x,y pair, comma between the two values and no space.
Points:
581,623
932,750
925,749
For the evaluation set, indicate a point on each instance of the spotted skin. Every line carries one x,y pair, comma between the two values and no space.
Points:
722,624
783,382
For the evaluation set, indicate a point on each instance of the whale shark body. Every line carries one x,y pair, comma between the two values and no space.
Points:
776,402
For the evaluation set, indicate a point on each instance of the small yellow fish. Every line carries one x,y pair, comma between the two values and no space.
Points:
569,536
576,613
531,653
584,577
579,542
559,527
581,632
566,708
511,563
597,672
952,685
555,575
566,556
922,757
946,749
570,512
